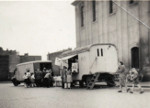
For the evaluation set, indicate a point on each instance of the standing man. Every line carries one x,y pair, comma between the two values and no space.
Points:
43,75
38,78
44,72
64,76
122,76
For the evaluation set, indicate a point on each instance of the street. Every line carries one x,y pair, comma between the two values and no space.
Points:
56,97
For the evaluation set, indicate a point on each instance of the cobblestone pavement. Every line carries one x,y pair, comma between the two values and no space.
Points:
56,97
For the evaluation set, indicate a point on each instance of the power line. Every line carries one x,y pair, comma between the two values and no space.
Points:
132,15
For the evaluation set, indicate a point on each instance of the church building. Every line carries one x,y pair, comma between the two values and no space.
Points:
125,24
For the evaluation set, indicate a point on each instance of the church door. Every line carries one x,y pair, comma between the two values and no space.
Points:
135,57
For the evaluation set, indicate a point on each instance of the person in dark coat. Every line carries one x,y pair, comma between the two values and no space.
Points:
44,72
38,78
64,76
43,75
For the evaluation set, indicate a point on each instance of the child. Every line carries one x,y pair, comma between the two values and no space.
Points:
28,75
25,79
122,76
133,77
32,80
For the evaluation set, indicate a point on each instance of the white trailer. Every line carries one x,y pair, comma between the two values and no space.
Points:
97,59
32,66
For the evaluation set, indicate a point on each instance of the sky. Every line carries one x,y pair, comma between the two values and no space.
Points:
37,27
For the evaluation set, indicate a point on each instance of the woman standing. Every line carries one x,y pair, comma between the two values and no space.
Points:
69,79
32,80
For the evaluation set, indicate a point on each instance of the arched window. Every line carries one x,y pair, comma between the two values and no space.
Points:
82,15
135,57
94,10
110,6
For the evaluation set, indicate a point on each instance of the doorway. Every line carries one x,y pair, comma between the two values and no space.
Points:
135,57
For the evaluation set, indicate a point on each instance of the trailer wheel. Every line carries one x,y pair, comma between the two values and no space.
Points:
88,79
81,84
15,82
111,83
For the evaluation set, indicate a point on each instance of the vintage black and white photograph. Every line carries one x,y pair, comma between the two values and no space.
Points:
74,54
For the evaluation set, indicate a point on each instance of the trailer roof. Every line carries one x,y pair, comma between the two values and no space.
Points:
82,49
36,61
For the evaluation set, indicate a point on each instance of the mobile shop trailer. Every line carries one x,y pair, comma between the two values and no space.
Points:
97,62
32,66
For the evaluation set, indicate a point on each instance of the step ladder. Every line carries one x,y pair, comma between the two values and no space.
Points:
94,79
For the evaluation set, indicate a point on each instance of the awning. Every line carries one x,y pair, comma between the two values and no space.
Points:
68,57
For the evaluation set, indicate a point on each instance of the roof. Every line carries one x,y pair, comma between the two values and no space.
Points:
82,49
61,51
36,61
76,2
68,57
75,51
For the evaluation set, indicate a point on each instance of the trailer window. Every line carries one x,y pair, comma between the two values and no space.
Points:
101,52
97,52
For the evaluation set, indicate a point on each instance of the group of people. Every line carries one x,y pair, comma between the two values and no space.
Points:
66,76
125,77
38,78
44,78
